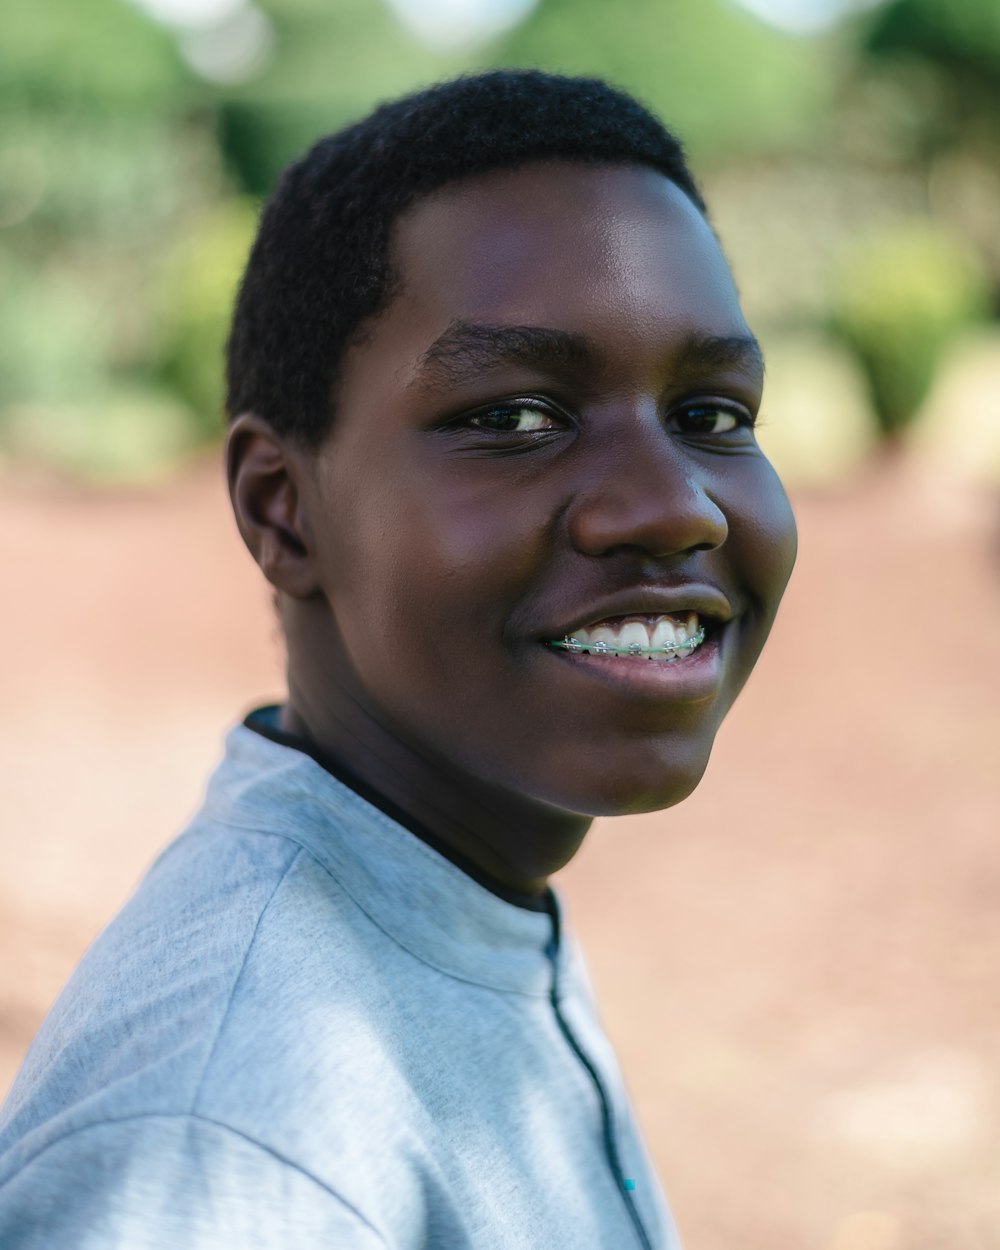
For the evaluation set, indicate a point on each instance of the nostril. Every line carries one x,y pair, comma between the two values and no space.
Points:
653,523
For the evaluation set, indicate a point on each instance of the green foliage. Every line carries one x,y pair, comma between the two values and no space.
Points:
92,95
944,59
101,53
332,63
900,299
103,158
122,236
125,434
963,35
816,424
51,335
726,81
200,278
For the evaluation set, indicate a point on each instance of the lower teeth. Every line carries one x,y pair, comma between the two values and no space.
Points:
671,652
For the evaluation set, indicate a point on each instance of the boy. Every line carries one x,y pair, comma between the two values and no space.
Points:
491,401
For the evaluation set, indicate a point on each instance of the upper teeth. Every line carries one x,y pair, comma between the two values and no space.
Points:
664,634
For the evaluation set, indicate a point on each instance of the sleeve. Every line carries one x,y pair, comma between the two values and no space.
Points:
172,1183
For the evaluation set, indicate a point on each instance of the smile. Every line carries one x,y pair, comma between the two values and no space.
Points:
666,638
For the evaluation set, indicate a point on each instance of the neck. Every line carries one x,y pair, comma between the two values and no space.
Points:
514,840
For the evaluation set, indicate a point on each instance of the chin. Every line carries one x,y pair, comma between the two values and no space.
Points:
631,791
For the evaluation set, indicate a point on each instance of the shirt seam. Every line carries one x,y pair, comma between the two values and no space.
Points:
384,820
374,800
195,1115
305,849
239,977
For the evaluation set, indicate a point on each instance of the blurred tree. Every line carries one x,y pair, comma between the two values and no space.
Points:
199,276
102,53
962,38
941,66
123,225
919,100
330,64
901,297
727,81
91,93
106,150
925,77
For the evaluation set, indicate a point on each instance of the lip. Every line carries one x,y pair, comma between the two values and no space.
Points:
694,679
709,602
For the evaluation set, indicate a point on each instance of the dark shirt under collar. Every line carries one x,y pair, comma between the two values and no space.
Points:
264,720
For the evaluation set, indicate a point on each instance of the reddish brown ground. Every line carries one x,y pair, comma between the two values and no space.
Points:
799,965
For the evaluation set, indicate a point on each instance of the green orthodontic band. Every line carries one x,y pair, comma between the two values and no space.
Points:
604,648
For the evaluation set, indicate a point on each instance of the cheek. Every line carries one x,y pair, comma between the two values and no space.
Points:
763,536
433,556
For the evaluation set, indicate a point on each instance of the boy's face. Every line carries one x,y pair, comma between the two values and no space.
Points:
543,430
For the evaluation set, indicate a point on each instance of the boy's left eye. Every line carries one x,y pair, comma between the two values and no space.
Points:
713,419
514,419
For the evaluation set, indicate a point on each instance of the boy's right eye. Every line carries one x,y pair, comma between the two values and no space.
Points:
514,418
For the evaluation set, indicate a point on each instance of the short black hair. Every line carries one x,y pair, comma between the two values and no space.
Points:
320,267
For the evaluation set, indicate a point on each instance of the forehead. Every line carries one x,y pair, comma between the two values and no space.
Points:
555,243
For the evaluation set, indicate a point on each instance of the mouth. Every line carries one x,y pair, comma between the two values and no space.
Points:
660,638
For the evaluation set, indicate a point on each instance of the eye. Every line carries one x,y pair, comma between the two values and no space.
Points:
514,418
714,418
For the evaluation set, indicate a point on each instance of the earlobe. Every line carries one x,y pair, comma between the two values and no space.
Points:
265,493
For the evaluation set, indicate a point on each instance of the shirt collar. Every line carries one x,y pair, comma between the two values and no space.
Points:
413,892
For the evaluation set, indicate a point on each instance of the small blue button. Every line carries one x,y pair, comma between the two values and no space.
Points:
630,1184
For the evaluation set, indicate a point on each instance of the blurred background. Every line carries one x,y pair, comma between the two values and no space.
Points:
798,965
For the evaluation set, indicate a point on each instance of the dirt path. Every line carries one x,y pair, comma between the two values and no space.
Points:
798,965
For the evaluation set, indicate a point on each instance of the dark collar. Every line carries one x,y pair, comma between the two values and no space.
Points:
263,720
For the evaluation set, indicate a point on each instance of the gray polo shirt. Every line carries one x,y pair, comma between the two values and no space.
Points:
310,1028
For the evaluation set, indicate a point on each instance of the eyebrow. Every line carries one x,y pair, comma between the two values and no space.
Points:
720,351
467,348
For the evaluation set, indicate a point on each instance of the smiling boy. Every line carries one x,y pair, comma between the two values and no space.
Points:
491,442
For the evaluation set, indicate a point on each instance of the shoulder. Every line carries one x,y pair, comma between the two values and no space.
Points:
153,1182
240,983
131,1032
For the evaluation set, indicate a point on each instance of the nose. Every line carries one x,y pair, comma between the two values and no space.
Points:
644,492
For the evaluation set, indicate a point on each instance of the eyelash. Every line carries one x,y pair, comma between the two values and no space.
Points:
743,416
511,408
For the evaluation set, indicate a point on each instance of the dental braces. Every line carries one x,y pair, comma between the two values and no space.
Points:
672,650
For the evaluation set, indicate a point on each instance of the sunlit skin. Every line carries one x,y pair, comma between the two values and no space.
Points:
423,559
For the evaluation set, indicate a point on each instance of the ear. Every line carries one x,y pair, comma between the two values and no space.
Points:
266,481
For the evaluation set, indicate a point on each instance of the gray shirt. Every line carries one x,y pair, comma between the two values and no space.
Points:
308,1028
